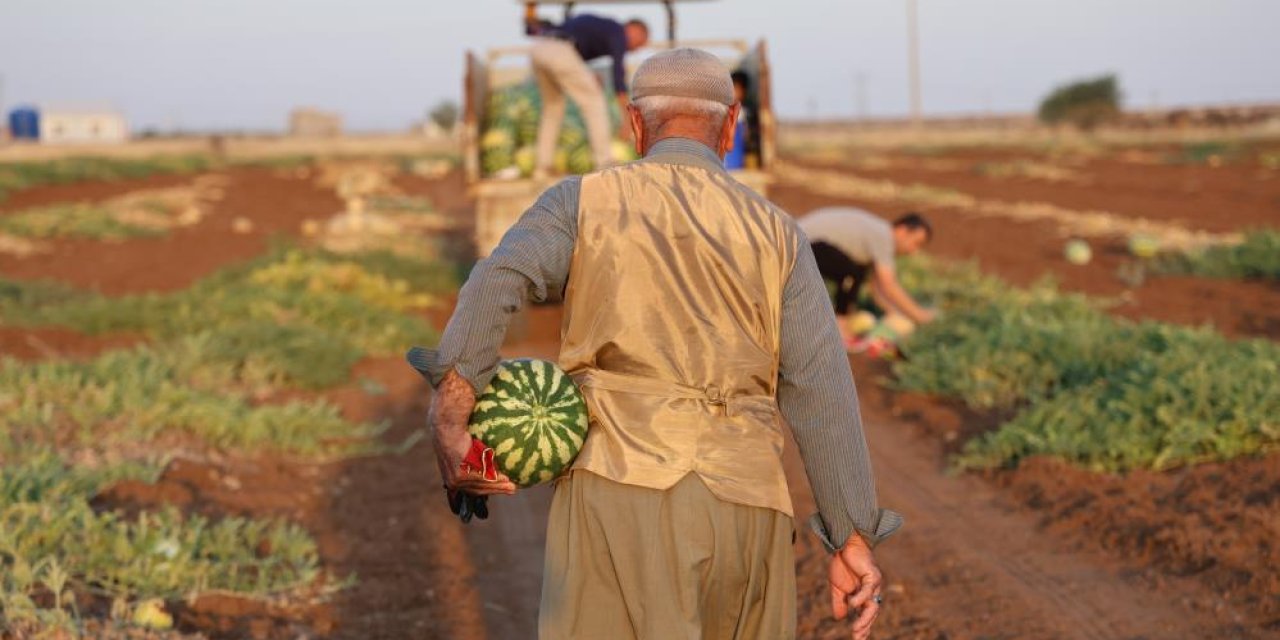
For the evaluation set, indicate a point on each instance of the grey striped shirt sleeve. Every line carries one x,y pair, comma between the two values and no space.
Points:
819,401
530,263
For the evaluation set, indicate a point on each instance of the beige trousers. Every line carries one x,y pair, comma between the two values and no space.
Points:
560,71
631,563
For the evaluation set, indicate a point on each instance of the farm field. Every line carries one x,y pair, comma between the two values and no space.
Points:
219,397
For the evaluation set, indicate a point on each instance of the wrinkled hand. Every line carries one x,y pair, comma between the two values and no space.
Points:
855,582
450,410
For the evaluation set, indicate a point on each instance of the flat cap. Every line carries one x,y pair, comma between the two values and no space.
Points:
683,73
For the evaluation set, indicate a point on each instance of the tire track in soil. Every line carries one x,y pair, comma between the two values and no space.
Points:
387,523
507,549
1036,591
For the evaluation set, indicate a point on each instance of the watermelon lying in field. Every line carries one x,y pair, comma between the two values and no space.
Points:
534,417
1078,252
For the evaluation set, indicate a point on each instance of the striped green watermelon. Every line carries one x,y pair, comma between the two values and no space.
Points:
534,417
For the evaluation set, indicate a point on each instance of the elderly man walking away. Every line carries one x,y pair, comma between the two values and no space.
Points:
560,55
695,322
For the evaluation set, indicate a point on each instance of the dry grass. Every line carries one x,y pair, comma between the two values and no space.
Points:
241,147
1069,222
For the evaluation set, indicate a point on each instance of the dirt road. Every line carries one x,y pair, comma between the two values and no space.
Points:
969,564
975,568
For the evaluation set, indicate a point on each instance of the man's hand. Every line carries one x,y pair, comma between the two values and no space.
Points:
450,411
855,584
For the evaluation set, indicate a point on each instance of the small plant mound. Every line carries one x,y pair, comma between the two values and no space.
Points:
73,220
16,176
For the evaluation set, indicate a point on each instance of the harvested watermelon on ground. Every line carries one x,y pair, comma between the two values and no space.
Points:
534,417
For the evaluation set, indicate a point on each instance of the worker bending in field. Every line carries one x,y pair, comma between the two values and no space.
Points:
852,246
560,54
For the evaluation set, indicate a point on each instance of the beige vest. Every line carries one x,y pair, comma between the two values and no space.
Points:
671,327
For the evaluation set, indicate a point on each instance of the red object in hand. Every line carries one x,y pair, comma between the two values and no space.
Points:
480,460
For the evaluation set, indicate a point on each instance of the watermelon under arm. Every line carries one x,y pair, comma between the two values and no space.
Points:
534,417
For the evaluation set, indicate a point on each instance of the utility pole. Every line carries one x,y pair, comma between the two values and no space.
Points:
913,61
5,134
860,94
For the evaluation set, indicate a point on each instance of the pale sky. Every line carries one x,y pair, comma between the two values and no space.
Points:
242,64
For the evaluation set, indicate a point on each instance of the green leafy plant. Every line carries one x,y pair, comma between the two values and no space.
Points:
53,545
1084,103
302,316
125,400
1200,398
16,176
445,115
72,220
1257,256
1102,392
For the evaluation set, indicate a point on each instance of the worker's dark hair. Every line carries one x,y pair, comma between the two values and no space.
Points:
637,22
915,221
741,77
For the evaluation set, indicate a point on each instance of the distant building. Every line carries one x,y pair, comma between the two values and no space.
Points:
431,130
314,123
59,126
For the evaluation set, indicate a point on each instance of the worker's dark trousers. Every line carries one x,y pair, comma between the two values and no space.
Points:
848,276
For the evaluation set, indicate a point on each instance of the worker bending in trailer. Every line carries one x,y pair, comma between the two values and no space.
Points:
853,246
560,54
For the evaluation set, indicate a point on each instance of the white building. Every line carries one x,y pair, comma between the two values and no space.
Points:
60,125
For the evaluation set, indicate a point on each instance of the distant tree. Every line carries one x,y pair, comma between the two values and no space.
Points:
1085,103
445,114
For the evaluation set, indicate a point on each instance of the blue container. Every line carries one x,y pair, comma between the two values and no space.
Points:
24,124
737,157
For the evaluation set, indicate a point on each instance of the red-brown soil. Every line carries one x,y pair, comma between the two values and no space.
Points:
275,203
1216,523
1225,198
37,343
1023,252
